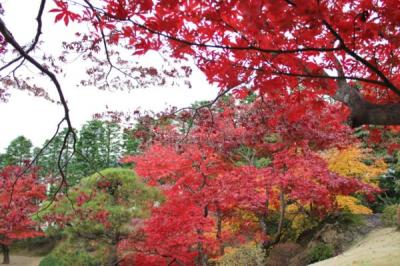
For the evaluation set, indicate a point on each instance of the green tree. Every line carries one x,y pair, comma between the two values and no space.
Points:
104,206
99,146
130,144
18,152
49,157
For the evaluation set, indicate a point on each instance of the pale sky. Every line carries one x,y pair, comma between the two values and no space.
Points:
36,118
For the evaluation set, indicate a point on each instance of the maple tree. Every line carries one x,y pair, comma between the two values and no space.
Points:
20,195
297,52
233,177
348,50
311,64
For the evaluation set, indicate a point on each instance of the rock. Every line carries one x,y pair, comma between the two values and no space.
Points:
281,254
336,235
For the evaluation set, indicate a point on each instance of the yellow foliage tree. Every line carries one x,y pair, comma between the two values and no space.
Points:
352,204
350,162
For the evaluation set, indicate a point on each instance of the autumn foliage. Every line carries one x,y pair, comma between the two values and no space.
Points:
231,179
20,196
16,213
276,144
274,48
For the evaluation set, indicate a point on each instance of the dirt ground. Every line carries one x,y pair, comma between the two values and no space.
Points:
380,247
24,261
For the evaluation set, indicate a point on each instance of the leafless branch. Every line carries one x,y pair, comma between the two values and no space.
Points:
70,131
35,39
31,163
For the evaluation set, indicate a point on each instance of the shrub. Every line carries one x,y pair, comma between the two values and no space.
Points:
349,219
51,260
320,252
390,184
398,218
249,255
78,258
389,216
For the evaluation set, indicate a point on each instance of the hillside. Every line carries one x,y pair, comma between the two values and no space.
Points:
380,247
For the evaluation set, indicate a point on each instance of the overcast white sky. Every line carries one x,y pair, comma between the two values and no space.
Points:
37,118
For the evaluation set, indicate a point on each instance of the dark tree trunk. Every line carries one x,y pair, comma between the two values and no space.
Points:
112,257
6,254
201,259
374,114
219,231
362,111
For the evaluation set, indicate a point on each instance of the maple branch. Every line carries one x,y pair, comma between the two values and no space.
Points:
373,68
238,48
363,111
70,131
216,46
33,162
385,81
103,37
306,74
10,39
35,39
197,109
105,45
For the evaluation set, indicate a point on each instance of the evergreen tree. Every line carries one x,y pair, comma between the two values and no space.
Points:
99,146
18,152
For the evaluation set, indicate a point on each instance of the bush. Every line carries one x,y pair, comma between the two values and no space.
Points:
79,258
249,255
51,260
389,216
320,252
390,184
398,218
63,255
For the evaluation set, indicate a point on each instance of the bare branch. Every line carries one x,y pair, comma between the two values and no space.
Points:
35,39
31,163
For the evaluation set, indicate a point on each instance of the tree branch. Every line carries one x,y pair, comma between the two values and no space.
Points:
358,58
35,39
70,132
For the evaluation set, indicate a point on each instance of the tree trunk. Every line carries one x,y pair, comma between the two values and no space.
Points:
364,112
375,114
219,231
201,259
112,256
6,254
112,259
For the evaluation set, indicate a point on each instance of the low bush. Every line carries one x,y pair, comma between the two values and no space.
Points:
51,260
64,256
389,216
249,255
320,252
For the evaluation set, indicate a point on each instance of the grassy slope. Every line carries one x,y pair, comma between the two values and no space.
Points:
381,247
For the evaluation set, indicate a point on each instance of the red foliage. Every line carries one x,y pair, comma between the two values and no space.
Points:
63,12
16,212
276,47
207,179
